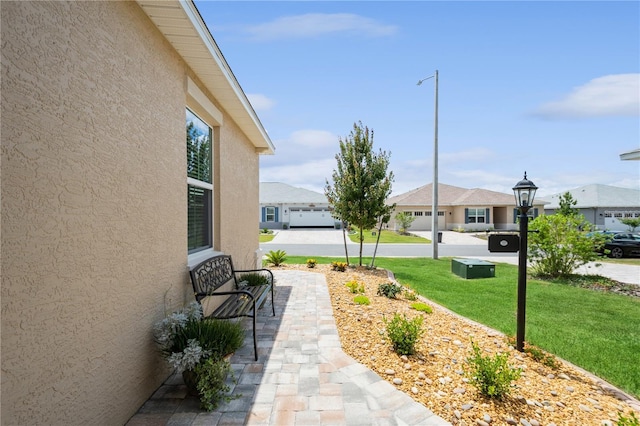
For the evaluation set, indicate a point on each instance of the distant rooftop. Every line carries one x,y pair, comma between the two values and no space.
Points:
449,195
277,192
597,195
631,155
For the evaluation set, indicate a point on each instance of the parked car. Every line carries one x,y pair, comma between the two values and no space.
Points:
623,244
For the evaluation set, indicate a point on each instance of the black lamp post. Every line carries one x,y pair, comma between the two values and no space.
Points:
524,191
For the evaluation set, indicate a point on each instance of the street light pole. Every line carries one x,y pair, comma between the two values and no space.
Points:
434,204
522,279
524,191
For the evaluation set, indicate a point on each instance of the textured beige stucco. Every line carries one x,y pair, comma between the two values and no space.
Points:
94,208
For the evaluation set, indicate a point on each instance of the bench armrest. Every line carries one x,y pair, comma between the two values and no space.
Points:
200,296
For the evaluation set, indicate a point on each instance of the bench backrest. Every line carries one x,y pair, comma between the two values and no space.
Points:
211,274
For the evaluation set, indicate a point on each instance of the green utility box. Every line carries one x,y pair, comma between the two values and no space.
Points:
473,268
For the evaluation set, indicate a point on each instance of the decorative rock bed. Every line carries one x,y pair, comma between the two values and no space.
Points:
434,376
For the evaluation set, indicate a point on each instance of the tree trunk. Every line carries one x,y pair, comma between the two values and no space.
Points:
361,241
344,237
375,249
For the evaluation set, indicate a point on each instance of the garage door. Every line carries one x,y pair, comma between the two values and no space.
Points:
310,218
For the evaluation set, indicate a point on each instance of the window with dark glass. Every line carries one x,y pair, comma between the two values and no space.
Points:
199,183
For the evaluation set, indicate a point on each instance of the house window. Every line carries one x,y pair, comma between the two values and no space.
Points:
417,213
199,183
440,213
476,216
270,214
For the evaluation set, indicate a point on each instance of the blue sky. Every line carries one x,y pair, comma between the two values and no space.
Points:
552,88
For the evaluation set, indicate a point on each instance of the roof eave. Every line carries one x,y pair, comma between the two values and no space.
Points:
181,24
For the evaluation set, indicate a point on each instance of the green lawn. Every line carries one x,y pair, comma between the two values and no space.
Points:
265,238
388,237
597,331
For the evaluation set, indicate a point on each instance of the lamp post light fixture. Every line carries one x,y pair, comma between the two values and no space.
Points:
525,192
434,203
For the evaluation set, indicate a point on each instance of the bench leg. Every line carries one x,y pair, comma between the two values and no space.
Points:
273,305
255,340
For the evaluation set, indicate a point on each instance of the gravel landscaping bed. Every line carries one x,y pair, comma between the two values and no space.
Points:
434,376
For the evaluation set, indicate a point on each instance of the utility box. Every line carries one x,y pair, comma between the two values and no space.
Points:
473,268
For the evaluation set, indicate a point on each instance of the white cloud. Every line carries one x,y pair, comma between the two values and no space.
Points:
310,174
611,95
473,154
317,24
314,138
260,102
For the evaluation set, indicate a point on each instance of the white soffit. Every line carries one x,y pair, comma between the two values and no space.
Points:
181,24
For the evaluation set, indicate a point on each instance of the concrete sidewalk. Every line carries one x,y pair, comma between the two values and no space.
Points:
301,378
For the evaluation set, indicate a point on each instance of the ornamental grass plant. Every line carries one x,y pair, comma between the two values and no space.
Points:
197,347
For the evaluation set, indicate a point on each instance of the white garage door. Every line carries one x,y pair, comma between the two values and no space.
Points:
307,218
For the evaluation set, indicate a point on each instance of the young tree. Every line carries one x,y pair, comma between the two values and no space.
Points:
559,244
631,222
404,219
567,202
361,184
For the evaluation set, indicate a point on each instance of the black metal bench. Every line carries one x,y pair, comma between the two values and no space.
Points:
242,301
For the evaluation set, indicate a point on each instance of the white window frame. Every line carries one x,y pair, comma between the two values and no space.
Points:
270,211
473,218
200,105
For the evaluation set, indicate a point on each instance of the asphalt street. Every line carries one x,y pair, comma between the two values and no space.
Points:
330,242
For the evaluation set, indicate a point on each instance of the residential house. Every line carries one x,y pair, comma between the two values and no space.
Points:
107,199
286,206
460,209
601,205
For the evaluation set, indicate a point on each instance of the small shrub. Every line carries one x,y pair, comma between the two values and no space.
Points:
266,231
311,263
361,299
212,386
339,266
542,357
355,286
627,421
492,376
254,278
422,307
536,353
276,258
404,333
389,290
410,295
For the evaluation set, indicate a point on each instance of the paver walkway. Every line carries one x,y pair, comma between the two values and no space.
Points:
302,376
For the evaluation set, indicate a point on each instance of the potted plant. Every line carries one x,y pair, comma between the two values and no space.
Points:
199,348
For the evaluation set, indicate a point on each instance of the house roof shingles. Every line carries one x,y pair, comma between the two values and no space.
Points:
597,195
281,193
449,195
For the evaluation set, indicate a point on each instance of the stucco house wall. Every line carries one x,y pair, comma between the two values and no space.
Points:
94,206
